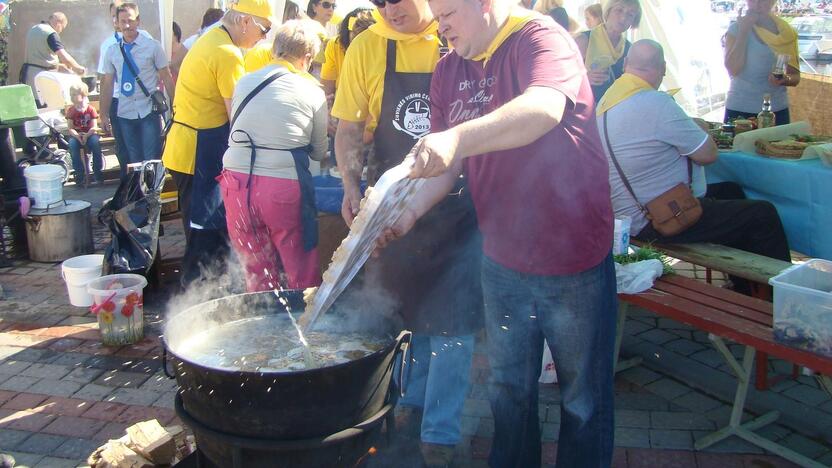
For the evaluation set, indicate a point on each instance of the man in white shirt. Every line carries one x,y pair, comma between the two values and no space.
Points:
112,39
654,141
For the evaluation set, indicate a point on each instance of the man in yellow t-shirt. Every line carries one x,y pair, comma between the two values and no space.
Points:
385,86
199,134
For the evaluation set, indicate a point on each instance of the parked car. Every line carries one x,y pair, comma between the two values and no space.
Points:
814,37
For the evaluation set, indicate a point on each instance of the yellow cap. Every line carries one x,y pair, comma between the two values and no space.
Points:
260,8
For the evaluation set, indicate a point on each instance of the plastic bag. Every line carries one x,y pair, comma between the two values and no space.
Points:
636,277
548,374
132,216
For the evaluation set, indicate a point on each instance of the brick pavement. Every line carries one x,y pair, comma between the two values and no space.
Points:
62,393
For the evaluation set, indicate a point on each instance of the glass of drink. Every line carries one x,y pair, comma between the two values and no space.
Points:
781,63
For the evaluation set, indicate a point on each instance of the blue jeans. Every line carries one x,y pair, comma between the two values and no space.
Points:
440,368
142,137
576,314
121,151
93,148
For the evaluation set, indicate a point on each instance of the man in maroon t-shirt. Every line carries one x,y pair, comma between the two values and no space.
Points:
513,109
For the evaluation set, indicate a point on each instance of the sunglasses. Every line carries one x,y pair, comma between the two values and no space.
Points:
263,30
328,5
381,3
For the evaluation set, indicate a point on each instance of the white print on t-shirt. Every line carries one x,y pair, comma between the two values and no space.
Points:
413,115
460,112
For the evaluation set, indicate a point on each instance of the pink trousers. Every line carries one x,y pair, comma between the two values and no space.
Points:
268,237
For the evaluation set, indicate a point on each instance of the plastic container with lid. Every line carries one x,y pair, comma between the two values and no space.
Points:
803,306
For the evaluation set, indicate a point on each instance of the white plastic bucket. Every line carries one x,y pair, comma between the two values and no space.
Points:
77,272
119,305
44,184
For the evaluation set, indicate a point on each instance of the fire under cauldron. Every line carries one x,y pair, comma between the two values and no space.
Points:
326,416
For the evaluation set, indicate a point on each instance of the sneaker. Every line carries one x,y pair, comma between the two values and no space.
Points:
437,455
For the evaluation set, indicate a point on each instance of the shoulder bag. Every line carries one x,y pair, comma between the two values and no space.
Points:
159,103
670,213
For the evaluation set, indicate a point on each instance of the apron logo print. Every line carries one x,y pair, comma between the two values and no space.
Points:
413,115
128,87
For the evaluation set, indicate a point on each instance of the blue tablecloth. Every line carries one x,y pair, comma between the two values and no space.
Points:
801,191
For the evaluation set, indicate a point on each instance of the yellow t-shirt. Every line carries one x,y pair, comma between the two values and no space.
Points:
258,56
334,61
207,77
362,75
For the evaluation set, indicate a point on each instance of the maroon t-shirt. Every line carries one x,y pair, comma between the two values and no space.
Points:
544,208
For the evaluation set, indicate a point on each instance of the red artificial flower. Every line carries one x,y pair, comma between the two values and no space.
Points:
109,306
127,310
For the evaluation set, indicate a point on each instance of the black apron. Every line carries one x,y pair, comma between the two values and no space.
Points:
300,156
434,270
207,211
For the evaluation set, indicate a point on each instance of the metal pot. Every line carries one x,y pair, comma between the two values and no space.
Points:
60,231
276,405
91,81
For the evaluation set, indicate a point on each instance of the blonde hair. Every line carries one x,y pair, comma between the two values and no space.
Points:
633,3
296,38
545,6
595,11
79,88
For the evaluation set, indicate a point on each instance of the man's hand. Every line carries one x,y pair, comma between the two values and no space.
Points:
747,21
785,81
79,70
350,204
105,124
434,154
598,76
402,226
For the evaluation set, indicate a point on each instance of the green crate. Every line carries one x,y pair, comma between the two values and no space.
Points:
17,105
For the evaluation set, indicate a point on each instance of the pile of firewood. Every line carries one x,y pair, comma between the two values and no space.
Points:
146,444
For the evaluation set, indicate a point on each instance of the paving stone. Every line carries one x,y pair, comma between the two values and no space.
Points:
673,420
26,459
161,383
549,431
83,375
12,366
670,324
24,401
634,327
43,444
6,395
640,375
684,347
18,383
671,439
73,320
697,402
132,396
632,418
134,414
657,336
7,352
804,445
710,357
729,445
631,401
112,430
62,388
64,406
73,360
72,426
477,408
667,388
648,458
807,395
121,379
166,400
26,421
46,371
55,462
9,438
30,354
78,449
715,460
93,392
774,432
632,437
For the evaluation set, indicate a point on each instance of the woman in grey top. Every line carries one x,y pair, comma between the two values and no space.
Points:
279,121
752,45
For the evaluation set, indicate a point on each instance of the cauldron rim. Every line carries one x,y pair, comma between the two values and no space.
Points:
392,342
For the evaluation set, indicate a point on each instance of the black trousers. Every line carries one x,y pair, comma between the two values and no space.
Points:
750,225
206,250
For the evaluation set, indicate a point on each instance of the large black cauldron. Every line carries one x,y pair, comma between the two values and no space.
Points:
277,405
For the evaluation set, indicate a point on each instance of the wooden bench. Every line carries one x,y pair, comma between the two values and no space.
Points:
755,268
724,314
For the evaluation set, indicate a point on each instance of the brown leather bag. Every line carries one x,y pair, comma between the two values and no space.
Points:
671,212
